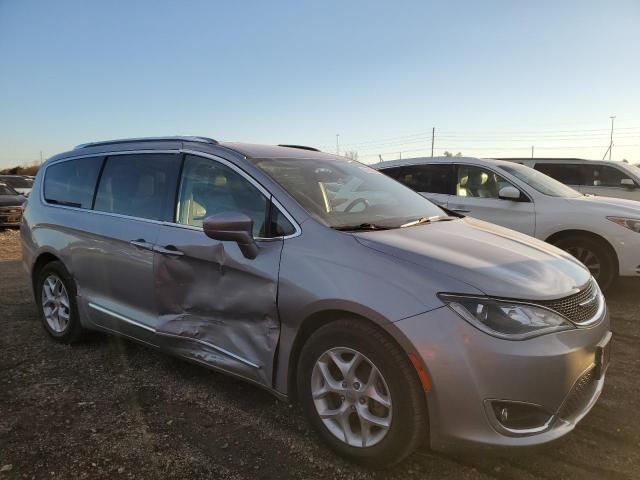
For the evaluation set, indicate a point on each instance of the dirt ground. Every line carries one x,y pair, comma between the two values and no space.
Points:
113,409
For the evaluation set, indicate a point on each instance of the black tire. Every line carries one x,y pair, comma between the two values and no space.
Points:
409,420
74,330
577,245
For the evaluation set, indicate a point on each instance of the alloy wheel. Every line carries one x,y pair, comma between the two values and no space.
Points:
55,304
351,397
588,258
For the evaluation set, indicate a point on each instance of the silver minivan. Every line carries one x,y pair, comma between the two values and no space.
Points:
390,320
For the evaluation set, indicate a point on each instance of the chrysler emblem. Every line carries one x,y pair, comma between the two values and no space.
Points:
587,303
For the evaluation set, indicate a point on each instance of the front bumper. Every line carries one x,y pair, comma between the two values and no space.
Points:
10,216
468,368
627,247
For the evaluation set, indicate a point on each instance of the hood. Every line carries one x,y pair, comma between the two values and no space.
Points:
11,200
495,260
610,205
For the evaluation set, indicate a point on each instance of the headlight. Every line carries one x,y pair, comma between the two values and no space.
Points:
511,321
630,223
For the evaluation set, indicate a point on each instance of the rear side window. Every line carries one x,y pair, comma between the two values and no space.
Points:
424,178
73,182
566,173
140,185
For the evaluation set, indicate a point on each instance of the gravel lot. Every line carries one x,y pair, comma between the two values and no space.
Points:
113,409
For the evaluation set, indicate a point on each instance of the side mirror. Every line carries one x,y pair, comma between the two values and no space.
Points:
233,227
509,193
627,182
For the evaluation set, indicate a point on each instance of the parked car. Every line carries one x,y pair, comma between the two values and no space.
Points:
20,183
10,206
390,322
603,233
596,177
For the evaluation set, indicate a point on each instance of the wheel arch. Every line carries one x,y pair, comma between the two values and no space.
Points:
563,234
43,259
318,320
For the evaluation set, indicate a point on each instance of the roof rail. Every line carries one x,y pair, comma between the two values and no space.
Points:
147,139
301,147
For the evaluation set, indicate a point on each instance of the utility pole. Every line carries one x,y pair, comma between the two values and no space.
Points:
433,136
400,155
380,157
337,144
611,141
40,157
531,151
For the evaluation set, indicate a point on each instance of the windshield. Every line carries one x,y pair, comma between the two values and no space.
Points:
6,190
343,193
541,182
633,169
17,182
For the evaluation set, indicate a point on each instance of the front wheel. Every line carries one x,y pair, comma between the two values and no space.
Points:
593,255
361,394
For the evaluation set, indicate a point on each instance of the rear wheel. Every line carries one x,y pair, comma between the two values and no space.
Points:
56,297
361,394
594,255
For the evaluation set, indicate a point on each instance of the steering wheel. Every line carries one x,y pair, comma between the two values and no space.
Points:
355,202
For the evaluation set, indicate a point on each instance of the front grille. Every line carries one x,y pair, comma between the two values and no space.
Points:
571,308
580,396
10,209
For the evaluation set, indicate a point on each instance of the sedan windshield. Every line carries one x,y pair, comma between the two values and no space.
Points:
348,195
541,182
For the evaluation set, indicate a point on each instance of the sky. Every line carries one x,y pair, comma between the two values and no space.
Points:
493,77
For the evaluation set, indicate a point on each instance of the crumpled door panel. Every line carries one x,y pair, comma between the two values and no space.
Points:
217,307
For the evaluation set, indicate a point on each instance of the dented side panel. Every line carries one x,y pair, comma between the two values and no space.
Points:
216,306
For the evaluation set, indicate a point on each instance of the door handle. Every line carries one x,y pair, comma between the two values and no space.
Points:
141,243
170,250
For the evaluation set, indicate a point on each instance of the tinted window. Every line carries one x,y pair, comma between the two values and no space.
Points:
16,182
141,185
72,182
7,190
209,187
538,180
567,173
603,176
424,178
479,182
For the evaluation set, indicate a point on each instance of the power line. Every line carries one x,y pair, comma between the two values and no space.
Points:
514,135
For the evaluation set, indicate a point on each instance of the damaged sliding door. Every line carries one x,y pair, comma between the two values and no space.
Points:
215,305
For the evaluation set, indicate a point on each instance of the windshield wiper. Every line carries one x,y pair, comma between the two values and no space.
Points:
361,227
421,220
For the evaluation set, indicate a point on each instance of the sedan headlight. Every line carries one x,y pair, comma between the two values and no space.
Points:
630,223
504,319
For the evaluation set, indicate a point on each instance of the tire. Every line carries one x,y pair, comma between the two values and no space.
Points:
592,253
63,324
407,416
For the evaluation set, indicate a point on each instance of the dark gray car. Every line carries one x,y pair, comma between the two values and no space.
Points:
321,279
10,206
